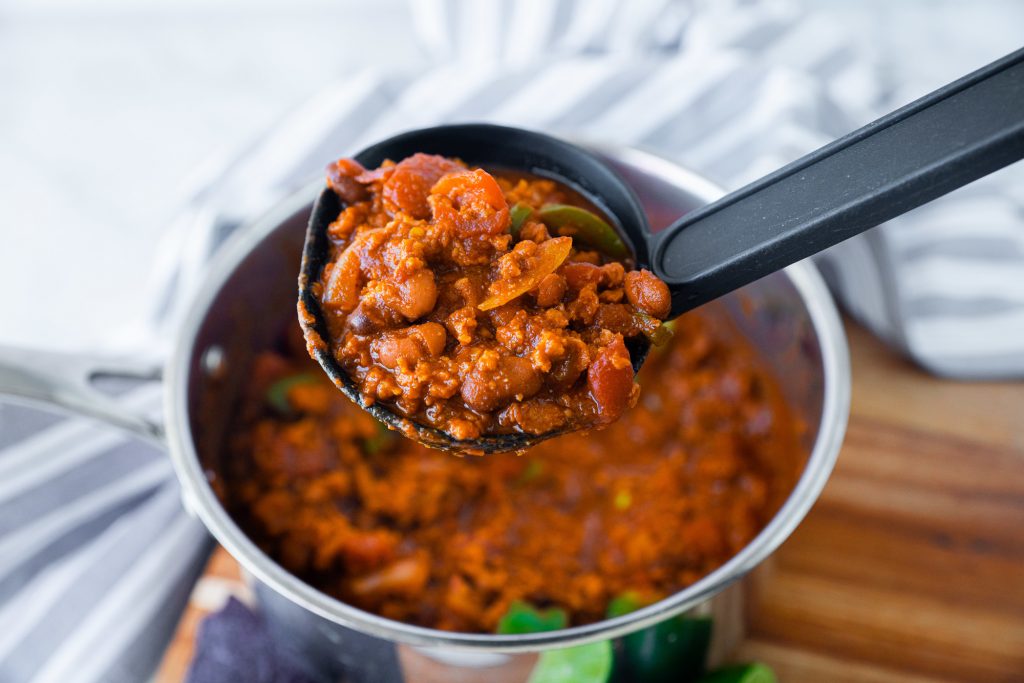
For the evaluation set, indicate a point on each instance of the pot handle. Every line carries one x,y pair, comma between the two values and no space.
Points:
66,381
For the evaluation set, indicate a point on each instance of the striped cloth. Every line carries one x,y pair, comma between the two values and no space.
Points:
97,558
96,555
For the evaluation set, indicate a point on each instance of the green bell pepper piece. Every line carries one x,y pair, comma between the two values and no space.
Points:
586,226
520,212
659,333
674,650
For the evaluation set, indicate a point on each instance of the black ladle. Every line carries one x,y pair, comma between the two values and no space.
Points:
943,141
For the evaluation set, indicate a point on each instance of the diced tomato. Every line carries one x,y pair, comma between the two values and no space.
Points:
409,185
610,379
472,201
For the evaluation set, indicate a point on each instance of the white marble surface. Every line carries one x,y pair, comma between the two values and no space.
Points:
108,106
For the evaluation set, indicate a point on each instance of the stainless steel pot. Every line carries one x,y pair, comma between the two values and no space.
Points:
249,294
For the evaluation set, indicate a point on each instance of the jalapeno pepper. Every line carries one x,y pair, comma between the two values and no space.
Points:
673,650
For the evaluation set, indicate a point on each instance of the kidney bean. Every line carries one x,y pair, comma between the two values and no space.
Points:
645,291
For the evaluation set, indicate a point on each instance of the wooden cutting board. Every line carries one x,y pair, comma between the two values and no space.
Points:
911,566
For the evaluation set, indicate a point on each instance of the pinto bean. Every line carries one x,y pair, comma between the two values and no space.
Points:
433,336
484,389
550,290
410,345
343,284
370,316
617,318
578,275
646,292
414,296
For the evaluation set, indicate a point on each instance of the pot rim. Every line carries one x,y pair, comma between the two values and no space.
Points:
200,499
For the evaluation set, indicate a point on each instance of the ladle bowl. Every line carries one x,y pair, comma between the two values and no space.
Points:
490,147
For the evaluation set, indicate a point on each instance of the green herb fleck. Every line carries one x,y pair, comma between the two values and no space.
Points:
277,393
520,212
627,602
382,440
533,470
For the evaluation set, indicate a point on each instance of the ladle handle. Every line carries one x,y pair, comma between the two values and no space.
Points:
942,141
